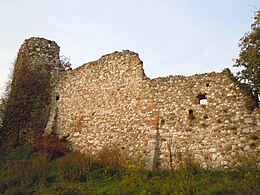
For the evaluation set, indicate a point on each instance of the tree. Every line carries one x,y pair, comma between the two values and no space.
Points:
3,102
249,57
65,63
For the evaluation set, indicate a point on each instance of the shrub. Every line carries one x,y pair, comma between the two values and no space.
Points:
52,145
69,188
74,167
75,173
134,177
110,157
21,175
21,153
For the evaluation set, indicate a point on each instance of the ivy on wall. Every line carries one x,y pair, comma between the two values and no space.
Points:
28,105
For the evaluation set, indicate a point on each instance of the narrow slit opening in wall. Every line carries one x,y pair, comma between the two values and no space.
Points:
191,116
202,99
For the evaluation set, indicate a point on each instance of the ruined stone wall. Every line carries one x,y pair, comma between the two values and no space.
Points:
204,116
110,102
107,103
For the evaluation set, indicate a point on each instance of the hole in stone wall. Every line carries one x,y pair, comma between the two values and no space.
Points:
49,44
207,84
202,99
162,122
205,116
191,116
57,98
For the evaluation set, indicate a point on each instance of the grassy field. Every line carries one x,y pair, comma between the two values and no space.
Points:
27,171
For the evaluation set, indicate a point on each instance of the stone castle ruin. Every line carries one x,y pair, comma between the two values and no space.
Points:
111,102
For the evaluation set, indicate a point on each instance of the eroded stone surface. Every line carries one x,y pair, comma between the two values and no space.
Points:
110,102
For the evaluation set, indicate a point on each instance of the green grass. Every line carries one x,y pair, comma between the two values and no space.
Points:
25,172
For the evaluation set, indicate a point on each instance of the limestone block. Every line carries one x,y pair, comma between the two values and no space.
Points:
77,134
212,150
249,120
214,157
246,130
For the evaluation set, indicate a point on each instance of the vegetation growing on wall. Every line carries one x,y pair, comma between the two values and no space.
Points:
27,108
1,122
27,105
4,99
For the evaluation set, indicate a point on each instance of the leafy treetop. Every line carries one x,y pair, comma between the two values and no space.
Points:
249,57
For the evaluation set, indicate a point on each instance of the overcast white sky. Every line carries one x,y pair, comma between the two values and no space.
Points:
171,36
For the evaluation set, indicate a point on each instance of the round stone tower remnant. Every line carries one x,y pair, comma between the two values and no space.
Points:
28,106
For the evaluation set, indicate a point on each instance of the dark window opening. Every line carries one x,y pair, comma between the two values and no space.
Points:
207,85
57,98
191,116
162,122
202,99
